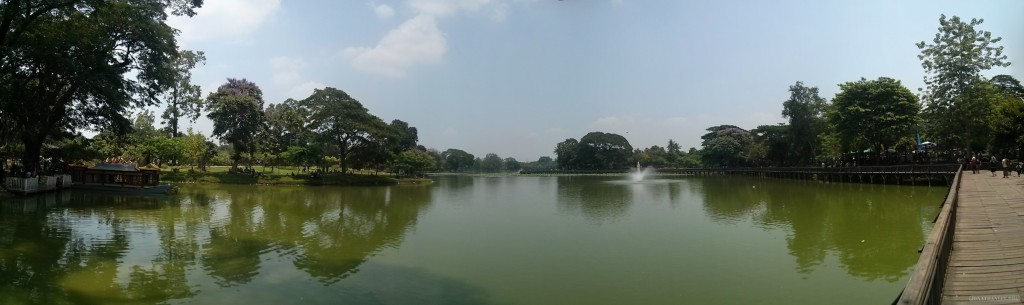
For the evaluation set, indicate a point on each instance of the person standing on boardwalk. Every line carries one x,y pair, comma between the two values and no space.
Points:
1020,167
974,164
993,163
1006,168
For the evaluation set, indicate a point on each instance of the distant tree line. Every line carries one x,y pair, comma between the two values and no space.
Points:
880,120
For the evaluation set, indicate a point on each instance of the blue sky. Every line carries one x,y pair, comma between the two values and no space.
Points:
515,77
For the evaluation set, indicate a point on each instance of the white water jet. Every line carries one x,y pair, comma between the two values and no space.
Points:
640,172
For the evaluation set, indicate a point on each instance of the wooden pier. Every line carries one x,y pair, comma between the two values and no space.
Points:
975,252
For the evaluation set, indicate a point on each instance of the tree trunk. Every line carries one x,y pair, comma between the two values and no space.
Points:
33,146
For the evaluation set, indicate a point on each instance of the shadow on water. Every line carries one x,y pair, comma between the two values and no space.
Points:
870,229
90,248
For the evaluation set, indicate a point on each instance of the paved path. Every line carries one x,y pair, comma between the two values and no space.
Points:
986,265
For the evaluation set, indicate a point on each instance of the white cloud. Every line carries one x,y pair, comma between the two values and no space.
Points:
415,41
500,12
304,90
441,8
224,19
418,40
383,11
286,69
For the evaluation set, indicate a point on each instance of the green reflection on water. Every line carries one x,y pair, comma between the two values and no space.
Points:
469,240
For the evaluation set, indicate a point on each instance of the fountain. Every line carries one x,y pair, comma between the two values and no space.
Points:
640,172
640,176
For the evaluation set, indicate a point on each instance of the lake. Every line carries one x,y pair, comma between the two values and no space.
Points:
471,240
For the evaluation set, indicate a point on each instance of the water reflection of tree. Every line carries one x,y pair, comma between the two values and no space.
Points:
48,260
824,218
330,232
593,197
77,254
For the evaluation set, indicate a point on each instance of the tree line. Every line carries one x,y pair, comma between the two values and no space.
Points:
85,65
960,112
877,120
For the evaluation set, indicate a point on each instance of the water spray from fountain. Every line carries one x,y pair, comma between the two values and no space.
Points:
640,172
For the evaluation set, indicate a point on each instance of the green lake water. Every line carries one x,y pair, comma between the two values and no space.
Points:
471,240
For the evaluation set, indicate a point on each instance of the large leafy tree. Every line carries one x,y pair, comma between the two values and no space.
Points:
599,150
343,122
806,112
456,160
184,100
1007,121
565,153
774,144
66,64
414,161
1008,85
955,110
726,145
286,125
874,113
236,110
491,163
403,137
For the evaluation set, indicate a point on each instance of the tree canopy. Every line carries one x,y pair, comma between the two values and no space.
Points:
956,110
65,64
806,112
236,110
342,121
874,113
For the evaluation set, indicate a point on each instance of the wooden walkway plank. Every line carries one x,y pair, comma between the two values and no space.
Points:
986,265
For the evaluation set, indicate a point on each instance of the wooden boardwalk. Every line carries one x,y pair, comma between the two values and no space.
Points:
986,264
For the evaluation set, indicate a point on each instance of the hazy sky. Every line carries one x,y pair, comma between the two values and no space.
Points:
515,77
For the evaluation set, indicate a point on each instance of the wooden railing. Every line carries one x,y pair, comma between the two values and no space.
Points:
895,169
925,283
892,169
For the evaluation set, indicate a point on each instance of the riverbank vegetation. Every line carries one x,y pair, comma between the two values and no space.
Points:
105,75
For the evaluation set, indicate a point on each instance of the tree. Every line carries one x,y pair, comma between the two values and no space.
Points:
65,65
193,147
655,156
414,161
725,145
953,63
456,160
1008,85
874,113
806,113
565,152
491,163
403,136
236,110
286,126
598,150
184,100
1008,122
342,121
774,140
512,165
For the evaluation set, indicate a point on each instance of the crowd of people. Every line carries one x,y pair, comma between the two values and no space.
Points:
994,164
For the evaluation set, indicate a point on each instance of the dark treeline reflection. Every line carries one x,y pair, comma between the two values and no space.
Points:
96,248
594,197
873,230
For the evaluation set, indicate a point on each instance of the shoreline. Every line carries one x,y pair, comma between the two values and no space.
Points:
197,177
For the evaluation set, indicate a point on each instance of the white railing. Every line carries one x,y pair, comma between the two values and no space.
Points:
25,185
48,182
65,181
